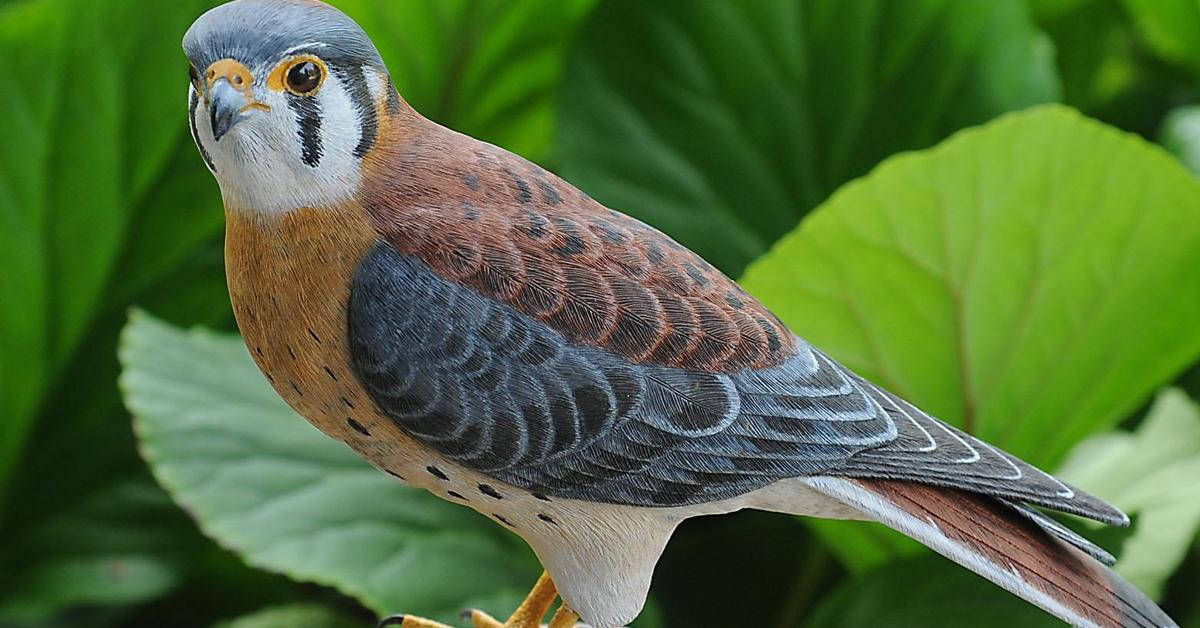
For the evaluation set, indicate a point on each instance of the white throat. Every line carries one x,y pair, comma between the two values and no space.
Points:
259,164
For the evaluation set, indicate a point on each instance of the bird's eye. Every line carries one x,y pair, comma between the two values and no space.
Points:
304,77
194,75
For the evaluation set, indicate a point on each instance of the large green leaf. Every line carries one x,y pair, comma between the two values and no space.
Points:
263,482
725,122
1155,474
488,68
85,143
1032,281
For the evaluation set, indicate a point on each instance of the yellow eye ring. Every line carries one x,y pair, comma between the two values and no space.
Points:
302,75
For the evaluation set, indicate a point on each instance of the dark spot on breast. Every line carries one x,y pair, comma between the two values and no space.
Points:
357,427
541,497
550,194
547,518
314,336
295,388
329,372
472,181
291,352
490,492
397,475
503,520
734,301
470,211
437,473
456,495
259,351
347,402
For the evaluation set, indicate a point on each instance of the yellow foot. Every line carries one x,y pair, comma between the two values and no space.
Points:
564,618
529,614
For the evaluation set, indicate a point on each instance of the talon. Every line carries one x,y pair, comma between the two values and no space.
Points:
480,619
408,621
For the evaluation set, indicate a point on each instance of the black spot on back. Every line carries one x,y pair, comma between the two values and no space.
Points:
524,193
490,492
550,194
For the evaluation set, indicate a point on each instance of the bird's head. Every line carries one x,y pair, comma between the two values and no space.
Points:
286,99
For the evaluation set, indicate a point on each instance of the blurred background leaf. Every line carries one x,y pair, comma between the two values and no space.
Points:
294,616
488,68
1153,473
1031,281
925,591
1181,136
724,123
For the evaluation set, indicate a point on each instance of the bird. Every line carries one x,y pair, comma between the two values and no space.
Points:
475,326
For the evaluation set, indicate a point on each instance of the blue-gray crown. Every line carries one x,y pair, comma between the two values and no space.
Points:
257,32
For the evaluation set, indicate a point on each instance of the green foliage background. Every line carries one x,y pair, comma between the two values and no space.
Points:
1030,272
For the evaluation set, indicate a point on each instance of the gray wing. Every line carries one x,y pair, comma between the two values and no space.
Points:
506,395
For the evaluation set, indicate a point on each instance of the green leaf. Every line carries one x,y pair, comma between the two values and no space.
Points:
1155,474
86,138
723,123
1032,281
118,546
293,616
488,68
1172,28
1181,135
264,483
935,593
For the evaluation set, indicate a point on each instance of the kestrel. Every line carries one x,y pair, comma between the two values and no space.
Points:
475,326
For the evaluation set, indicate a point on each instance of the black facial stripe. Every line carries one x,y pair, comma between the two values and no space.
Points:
360,96
308,115
195,102
393,96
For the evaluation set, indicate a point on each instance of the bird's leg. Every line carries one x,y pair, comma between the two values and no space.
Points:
529,614
564,617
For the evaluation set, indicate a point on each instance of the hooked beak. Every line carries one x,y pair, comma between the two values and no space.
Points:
226,107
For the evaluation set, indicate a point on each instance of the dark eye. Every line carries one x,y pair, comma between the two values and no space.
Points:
304,77
194,75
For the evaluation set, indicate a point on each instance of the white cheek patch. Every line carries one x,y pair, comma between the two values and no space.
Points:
260,164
